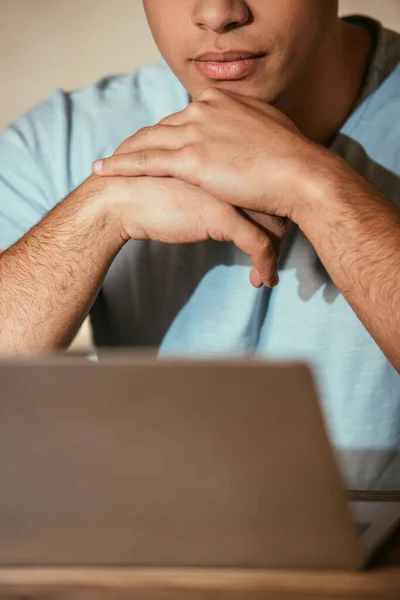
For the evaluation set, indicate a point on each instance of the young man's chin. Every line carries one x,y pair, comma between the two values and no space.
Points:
239,87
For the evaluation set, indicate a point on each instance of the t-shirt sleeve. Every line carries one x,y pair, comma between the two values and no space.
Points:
49,151
29,151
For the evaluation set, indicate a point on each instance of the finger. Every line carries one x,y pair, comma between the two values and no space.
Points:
195,111
275,227
257,282
176,119
255,243
159,136
154,163
255,278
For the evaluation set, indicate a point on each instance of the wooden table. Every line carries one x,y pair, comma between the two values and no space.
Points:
380,582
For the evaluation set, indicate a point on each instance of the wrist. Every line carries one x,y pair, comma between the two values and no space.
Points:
101,204
319,188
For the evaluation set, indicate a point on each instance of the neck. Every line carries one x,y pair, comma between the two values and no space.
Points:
321,102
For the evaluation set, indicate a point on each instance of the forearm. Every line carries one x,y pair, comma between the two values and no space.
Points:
50,278
356,233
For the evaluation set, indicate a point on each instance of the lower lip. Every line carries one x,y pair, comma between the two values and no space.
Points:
227,70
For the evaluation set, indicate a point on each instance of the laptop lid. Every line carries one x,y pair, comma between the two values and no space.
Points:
146,463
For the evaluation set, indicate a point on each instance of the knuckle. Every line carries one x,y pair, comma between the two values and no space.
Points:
196,110
264,248
210,93
190,154
141,160
186,152
186,163
111,163
122,148
192,160
226,217
143,133
193,132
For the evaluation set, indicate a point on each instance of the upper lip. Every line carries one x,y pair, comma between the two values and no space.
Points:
227,56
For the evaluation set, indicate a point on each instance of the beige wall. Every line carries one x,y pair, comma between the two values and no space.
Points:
48,44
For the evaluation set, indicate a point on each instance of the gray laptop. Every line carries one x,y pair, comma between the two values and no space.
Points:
137,462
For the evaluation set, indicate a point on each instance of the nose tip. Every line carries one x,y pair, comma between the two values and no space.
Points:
220,16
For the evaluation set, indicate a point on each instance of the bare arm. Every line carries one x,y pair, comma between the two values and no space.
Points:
356,233
266,165
50,278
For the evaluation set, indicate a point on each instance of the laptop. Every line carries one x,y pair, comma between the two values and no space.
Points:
142,463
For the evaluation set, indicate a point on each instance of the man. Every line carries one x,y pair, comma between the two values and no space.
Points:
239,137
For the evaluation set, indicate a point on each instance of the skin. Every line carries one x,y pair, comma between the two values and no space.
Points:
257,144
275,27
300,71
254,145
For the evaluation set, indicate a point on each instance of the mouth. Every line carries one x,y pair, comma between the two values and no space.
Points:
229,65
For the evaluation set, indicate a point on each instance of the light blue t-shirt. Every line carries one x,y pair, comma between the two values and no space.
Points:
196,299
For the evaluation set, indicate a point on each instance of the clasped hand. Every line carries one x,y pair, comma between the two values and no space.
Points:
240,152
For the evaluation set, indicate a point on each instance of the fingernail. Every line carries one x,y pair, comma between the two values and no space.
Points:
97,166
